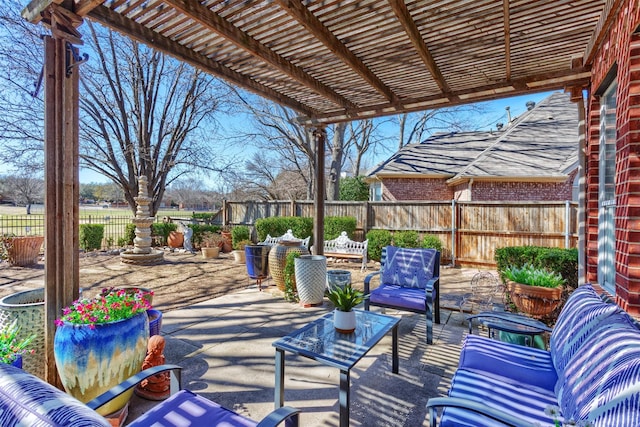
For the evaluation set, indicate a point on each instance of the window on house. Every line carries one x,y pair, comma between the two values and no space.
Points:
375,192
606,190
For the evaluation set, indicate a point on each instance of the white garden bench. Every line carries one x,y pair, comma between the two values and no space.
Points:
343,247
272,241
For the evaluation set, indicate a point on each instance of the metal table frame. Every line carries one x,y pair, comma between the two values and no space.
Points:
319,341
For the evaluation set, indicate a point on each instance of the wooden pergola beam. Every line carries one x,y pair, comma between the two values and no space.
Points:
298,11
402,13
214,22
507,38
538,83
143,34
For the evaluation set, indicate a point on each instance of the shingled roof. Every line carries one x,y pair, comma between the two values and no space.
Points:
540,145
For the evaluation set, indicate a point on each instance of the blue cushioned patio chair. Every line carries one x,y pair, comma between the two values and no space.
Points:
409,280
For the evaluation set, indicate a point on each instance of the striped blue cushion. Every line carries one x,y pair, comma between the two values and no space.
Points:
583,311
525,402
411,268
602,380
26,400
522,364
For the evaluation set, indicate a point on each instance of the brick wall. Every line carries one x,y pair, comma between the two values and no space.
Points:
416,189
482,191
620,47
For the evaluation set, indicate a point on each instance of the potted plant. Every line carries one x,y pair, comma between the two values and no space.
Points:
210,244
535,291
100,342
12,347
238,250
344,300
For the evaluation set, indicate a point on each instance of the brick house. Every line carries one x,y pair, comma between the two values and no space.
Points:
534,158
612,157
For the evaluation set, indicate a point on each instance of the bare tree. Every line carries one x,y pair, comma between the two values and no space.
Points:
145,114
414,127
23,188
337,161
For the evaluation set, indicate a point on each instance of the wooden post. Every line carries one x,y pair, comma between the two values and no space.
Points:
319,136
61,177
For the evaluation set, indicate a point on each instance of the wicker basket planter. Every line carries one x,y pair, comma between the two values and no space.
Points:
28,308
534,300
23,250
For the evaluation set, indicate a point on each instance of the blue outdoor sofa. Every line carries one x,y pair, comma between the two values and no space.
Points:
26,400
590,374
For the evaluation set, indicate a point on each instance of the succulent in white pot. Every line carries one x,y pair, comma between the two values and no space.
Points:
344,300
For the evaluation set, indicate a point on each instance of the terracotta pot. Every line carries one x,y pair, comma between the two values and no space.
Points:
534,300
175,239
23,250
227,242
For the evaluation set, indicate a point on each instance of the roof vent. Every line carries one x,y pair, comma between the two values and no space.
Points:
499,126
530,105
508,114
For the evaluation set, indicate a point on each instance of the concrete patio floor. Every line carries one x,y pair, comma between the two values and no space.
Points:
225,348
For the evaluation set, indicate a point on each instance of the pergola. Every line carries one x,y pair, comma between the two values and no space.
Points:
329,60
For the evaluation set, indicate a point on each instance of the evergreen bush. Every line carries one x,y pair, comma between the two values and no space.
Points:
91,236
301,227
334,225
561,261
406,239
377,239
240,233
429,241
162,229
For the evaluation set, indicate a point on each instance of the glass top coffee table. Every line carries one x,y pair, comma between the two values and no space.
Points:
321,342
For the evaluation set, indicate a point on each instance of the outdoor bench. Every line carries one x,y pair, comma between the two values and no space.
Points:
26,400
272,241
343,247
591,373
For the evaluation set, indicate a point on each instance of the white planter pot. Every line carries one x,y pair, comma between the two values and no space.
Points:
344,321
311,277
238,256
210,252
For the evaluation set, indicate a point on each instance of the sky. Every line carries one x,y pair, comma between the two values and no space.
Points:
495,112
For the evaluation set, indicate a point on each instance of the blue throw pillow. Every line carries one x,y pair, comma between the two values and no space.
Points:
411,268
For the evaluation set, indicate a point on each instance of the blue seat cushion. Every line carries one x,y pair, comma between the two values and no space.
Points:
412,268
525,365
188,409
601,382
521,400
412,299
26,400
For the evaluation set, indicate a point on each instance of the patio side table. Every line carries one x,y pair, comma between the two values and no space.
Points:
321,342
511,326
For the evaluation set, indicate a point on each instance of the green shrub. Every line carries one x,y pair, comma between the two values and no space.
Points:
377,239
561,261
334,225
289,274
129,234
162,229
91,236
277,226
529,275
429,241
122,241
240,233
406,239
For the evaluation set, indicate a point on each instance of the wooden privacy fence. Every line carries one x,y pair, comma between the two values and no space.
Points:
470,232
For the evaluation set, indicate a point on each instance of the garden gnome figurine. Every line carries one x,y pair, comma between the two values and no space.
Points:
156,387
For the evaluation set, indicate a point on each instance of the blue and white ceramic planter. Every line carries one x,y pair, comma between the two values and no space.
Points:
92,360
